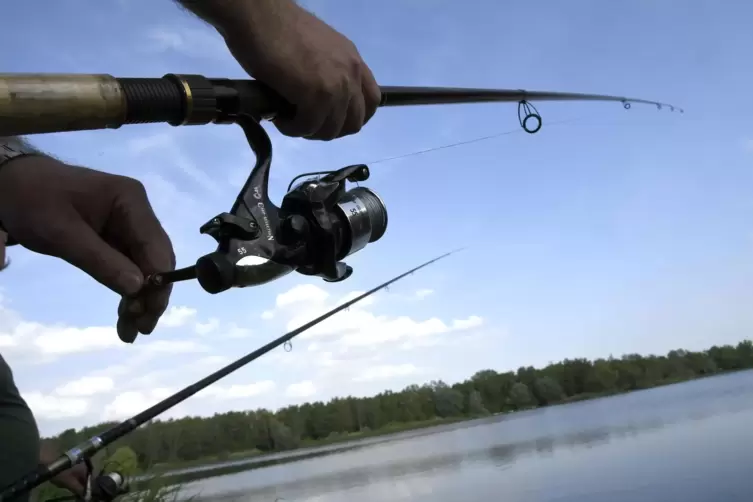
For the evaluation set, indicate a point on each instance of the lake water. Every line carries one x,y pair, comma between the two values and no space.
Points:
686,443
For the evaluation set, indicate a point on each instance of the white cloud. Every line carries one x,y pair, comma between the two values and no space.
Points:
207,327
301,295
61,340
423,293
51,407
7,341
341,350
301,389
235,331
473,321
129,403
213,360
218,329
177,316
238,391
42,343
365,302
266,315
174,347
385,371
357,326
86,386
198,41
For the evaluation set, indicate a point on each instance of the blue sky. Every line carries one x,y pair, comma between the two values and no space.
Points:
619,231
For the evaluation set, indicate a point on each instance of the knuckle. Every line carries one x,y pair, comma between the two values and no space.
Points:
355,68
131,186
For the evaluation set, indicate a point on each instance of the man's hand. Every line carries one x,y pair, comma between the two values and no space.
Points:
73,480
303,59
101,223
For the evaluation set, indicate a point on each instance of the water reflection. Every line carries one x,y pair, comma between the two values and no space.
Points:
499,456
548,454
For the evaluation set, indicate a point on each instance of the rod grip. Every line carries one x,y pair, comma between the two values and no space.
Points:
42,103
250,97
150,100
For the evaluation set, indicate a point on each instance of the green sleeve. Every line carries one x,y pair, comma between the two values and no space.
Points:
19,436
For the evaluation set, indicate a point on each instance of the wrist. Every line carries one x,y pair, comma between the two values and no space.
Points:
12,149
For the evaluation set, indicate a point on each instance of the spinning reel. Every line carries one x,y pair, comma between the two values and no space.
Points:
319,222
105,487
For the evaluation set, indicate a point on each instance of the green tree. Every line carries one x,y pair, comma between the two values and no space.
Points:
448,402
476,406
520,396
602,378
124,460
244,432
547,390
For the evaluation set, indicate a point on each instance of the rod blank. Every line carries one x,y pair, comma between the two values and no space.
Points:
35,103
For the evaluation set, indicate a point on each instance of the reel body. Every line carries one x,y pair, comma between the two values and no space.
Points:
104,487
318,223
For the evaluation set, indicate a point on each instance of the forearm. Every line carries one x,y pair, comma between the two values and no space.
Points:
10,144
12,147
223,15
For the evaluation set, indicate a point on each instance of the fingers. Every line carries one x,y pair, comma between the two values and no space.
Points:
339,111
135,229
355,117
372,94
76,242
72,480
308,119
73,484
80,246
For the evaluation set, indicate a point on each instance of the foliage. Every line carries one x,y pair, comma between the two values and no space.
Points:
237,434
47,491
124,460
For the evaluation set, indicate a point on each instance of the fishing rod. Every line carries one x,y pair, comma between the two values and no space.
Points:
107,486
319,221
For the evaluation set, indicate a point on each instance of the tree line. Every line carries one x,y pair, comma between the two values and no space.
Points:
235,433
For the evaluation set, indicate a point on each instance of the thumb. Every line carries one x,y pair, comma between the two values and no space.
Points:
80,246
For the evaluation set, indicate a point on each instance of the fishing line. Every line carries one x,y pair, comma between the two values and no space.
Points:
473,140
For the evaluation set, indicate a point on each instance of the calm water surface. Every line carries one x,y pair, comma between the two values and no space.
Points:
688,442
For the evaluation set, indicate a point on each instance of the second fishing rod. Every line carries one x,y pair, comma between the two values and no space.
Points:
108,486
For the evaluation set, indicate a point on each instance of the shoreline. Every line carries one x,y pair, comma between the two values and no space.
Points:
196,470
